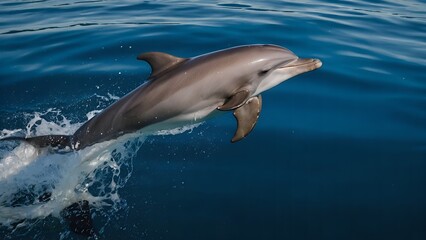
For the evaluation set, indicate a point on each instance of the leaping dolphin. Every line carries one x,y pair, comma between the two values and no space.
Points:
180,91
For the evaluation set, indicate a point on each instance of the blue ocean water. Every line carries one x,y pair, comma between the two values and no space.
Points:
338,153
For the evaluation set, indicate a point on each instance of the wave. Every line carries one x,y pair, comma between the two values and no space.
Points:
38,183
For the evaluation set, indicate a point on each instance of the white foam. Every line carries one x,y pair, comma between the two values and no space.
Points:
178,130
95,173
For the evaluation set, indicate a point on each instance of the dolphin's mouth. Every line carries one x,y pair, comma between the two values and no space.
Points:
310,63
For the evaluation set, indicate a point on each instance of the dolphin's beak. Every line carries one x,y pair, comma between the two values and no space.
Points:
308,64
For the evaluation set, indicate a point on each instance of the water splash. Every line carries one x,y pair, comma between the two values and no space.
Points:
36,184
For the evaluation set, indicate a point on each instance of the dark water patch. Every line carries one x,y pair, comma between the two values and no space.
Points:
293,191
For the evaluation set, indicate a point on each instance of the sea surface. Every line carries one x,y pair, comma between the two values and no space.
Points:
337,153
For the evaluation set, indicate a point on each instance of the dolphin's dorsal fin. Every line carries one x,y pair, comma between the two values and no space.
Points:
247,116
235,101
159,61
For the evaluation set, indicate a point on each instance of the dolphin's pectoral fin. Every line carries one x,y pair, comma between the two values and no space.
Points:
235,101
247,116
159,61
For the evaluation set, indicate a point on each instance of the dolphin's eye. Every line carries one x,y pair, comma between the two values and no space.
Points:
264,72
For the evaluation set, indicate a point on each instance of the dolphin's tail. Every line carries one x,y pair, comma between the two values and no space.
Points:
55,141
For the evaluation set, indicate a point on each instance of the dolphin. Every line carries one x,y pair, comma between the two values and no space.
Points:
181,91
178,92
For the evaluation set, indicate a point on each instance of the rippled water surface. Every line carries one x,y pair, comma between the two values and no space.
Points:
338,153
